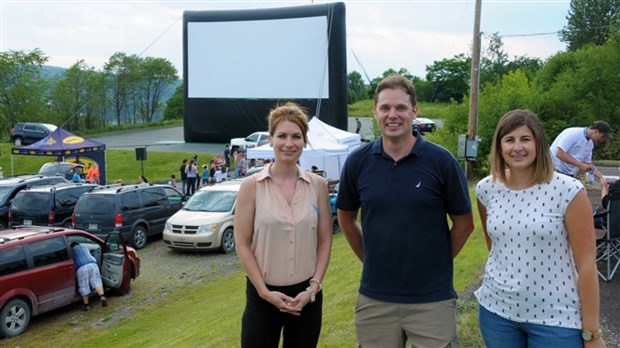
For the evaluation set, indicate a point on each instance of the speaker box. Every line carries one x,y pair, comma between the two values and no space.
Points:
140,153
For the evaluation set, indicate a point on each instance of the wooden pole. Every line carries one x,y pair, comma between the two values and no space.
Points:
474,88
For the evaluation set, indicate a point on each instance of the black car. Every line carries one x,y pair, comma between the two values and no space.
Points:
136,211
50,205
11,186
25,133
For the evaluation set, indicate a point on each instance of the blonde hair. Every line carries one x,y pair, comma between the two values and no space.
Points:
543,172
288,112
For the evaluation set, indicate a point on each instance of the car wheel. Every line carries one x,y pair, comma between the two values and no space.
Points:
68,224
139,237
228,241
17,141
335,226
14,317
3,225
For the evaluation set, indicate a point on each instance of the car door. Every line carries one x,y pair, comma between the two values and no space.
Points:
115,265
52,279
111,257
155,208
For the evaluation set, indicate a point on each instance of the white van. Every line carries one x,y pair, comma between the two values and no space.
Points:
205,222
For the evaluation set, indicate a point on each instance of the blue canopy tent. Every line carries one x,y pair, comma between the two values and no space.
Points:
62,143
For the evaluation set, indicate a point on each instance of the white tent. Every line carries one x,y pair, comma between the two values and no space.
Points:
326,155
333,134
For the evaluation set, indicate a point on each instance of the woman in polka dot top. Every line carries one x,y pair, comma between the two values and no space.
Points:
540,287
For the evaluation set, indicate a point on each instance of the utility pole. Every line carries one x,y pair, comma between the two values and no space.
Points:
473,91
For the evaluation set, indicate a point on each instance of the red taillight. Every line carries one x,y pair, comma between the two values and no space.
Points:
73,219
51,217
118,220
12,130
10,217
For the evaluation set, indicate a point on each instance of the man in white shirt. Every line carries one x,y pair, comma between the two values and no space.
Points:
572,148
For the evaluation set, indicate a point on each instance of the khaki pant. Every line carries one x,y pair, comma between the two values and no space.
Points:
381,324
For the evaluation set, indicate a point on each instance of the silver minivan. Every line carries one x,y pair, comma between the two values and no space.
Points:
205,222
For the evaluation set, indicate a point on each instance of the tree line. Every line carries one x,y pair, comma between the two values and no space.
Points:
128,90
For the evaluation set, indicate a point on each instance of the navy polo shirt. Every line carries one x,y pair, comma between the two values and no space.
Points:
407,247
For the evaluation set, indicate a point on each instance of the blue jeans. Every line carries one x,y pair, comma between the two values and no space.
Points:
500,332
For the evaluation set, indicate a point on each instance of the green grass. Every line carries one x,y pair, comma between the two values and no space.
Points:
364,108
210,314
121,164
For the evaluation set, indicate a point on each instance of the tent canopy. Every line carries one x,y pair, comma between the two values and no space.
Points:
333,134
328,148
61,143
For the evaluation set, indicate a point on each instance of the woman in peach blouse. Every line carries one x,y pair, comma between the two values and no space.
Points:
283,238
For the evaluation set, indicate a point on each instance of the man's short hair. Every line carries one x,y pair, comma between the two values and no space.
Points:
396,81
602,127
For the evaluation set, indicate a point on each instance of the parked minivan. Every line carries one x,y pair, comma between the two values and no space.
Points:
136,211
50,205
206,221
37,271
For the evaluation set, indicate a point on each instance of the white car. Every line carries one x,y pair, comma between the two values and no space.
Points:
253,140
205,222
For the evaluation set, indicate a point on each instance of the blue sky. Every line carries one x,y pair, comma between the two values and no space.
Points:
382,34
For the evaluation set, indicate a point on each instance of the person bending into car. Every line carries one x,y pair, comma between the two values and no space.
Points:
88,275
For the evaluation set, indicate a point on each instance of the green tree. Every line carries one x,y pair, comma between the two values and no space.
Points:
581,86
449,78
356,89
76,98
589,22
121,74
22,90
375,82
174,106
155,74
495,63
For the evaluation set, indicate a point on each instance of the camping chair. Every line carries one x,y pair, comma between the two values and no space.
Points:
608,248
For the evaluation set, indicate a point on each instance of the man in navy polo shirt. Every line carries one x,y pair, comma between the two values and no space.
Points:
407,188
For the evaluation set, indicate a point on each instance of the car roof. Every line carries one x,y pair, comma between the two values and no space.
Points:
23,179
118,188
226,185
57,187
26,232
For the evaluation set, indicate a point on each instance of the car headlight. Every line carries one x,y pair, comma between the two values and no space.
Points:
167,227
210,228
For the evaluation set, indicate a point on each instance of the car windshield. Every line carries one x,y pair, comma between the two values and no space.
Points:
211,201
5,191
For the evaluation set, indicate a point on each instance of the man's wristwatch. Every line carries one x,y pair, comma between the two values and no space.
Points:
590,336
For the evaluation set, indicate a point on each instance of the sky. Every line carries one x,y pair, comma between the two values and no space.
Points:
380,34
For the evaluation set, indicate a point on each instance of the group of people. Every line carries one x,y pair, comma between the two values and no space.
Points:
540,286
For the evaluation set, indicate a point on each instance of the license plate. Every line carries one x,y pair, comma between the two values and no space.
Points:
27,222
92,226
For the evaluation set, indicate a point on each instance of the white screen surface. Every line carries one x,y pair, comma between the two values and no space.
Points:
270,59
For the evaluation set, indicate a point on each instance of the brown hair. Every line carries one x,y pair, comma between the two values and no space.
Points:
397,82
509,122
288,112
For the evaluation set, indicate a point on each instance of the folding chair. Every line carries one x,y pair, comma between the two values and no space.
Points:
608,247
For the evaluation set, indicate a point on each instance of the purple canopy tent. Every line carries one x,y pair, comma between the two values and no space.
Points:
62,143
